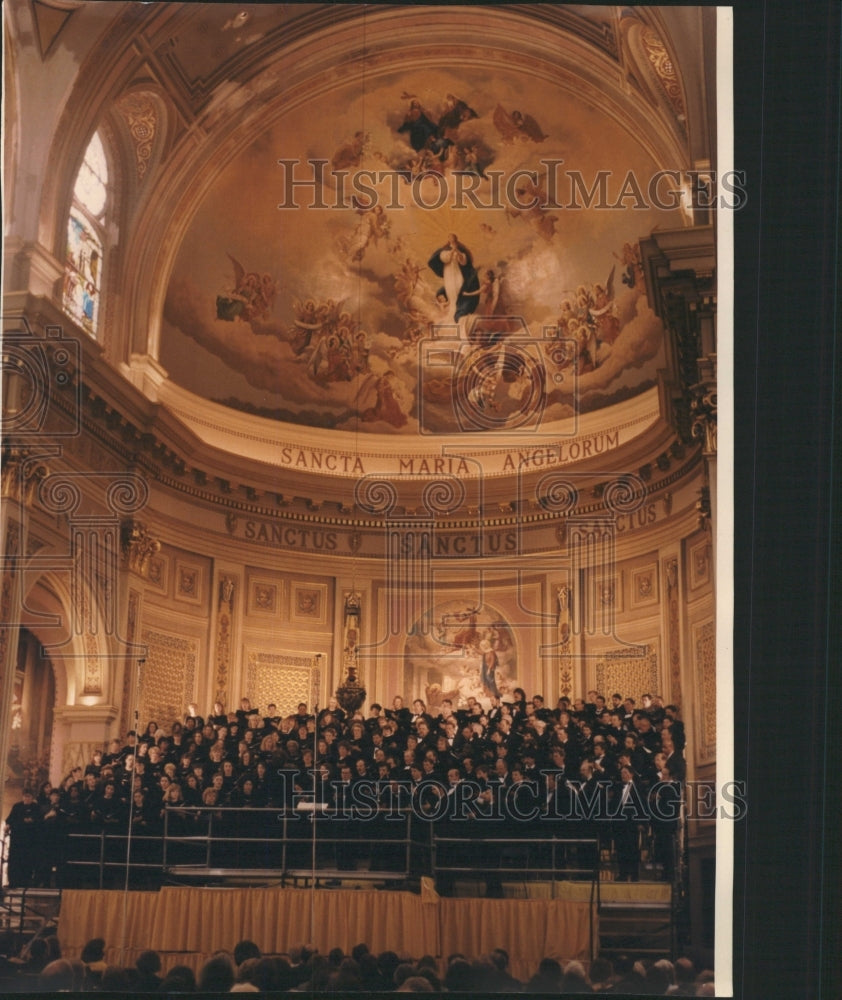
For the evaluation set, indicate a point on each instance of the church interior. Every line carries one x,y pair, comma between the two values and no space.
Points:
360,362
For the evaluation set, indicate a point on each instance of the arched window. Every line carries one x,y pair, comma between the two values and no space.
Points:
85,238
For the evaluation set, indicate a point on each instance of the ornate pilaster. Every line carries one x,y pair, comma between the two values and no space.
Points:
671,575
564,632
226,595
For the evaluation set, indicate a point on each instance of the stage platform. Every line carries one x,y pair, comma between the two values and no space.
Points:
186,925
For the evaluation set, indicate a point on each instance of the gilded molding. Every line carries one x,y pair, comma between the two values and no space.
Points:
141,117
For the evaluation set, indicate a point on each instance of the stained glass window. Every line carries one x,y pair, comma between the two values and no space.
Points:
83,265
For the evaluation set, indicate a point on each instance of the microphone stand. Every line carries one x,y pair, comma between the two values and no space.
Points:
138,671
315,815
315,698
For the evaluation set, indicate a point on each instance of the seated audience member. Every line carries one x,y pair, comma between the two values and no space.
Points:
93,958
574,979
685,978
660,977
116,979
244,950
245,972
547,979
628,978
179,979
507,983
148,966
57,977
216,975
415,984
36,956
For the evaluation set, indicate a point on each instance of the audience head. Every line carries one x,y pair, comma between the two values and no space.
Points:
57,977
244,950
459,976
402,972
246,969
37,952
574,979
216,975
148,963
358,951
179,979
115,979
600,972
685,971
415,984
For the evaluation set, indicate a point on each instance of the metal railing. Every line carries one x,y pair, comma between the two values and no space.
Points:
212,841
288,844
291,843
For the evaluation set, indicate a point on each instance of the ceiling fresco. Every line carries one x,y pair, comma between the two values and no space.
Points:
416,251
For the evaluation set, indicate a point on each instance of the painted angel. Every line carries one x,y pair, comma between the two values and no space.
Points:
417,297
633,265
372,226
517,127
533,196
603,312
307,322
350,153
251,297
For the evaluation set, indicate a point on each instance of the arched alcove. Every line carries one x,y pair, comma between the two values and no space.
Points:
30,715
81,667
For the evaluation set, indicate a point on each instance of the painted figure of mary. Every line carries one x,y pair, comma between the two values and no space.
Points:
454,264
488,671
